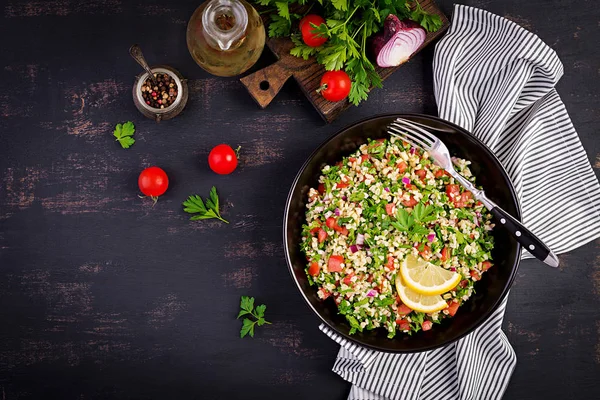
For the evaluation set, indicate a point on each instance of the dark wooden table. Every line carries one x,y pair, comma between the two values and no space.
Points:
104,296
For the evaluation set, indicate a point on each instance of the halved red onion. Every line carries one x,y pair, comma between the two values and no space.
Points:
399,47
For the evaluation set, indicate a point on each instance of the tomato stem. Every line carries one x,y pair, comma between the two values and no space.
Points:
154,199
322,87
237,151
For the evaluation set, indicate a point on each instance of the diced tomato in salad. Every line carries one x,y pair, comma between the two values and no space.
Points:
403,309
402,165
486,265
331,223
452,308
348,279
364,157
426,325
475,275
390,263
314,269
322,235
321,188
440,173
324,293
446,254
335,263
403,324
411,202
390,208
342,185
421,173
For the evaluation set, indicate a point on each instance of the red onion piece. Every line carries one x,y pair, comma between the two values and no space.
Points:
353,248
337,212
430,237
372,293
360,239
412,150
406,180
453,269
387,189
475,221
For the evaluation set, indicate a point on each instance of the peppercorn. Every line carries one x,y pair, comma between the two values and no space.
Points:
161,93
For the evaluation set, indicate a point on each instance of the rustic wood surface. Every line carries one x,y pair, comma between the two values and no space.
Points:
264,84
103,296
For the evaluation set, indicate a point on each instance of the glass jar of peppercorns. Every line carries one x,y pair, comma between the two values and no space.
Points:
160,97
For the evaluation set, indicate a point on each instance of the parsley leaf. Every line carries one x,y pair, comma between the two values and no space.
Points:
195,205
247,308
431,22
124,133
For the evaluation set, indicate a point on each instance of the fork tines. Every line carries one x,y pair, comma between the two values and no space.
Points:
412,134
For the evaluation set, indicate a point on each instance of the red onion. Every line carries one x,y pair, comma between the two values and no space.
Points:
453,269
344,198
360,239
386,189
337,212
430,237
399,40
372,293
353,248
406,181
412,150
475,221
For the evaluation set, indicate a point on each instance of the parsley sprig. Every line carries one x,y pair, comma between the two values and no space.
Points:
247,308
413,223
124,133
348,26
195,205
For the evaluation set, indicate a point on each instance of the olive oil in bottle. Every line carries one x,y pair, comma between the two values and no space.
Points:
225,37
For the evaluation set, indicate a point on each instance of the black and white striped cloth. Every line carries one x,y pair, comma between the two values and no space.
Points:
496,80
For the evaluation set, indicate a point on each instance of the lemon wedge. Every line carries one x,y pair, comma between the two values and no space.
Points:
426,278
419,302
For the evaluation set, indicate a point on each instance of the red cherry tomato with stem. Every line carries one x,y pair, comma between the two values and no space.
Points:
309,35
223,159
153,182
335,85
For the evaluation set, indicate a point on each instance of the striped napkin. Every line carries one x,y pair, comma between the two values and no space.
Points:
496,80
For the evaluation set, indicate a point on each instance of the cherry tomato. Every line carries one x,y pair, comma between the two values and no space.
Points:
335,85
222,159
153,182
309,36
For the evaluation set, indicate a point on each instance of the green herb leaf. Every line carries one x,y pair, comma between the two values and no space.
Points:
124,133
247,328
258,313
195,205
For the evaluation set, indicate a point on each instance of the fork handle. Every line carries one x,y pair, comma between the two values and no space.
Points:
524,236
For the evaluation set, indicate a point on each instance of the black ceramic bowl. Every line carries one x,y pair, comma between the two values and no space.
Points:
489,291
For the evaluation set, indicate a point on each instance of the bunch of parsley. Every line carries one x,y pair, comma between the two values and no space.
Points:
349,23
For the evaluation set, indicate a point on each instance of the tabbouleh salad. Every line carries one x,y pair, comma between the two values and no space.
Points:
373,210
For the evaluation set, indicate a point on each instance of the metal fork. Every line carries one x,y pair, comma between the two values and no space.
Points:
419,137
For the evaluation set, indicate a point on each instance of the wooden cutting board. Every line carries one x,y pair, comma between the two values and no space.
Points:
264,84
